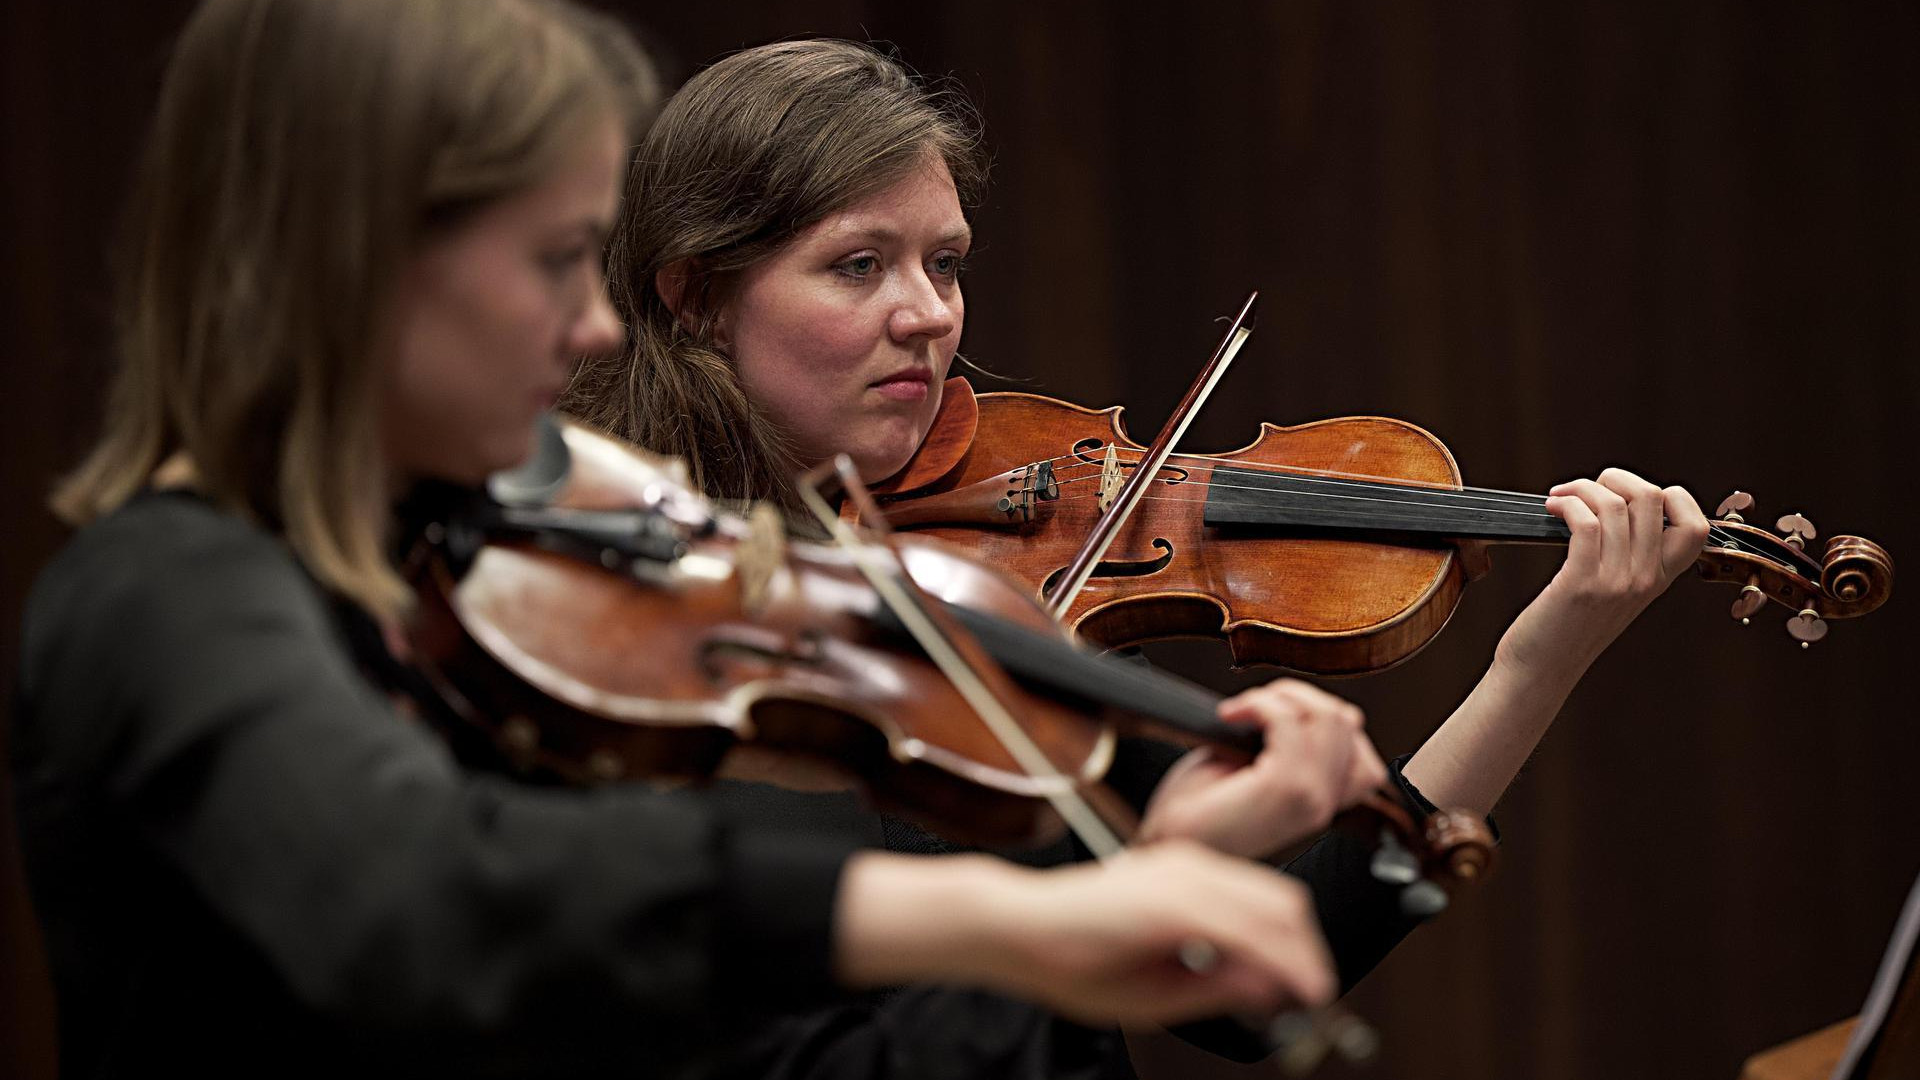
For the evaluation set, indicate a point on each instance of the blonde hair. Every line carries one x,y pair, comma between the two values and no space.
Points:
748,154
301,150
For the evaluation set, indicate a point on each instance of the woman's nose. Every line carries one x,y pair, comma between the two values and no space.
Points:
926,311
598,331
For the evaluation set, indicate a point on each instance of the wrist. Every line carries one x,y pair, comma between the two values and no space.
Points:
1551,669
1529,688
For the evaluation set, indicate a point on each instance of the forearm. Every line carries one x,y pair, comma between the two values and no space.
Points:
1468,763
1629,540
902,919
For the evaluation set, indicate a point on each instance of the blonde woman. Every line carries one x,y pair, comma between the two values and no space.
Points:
365,252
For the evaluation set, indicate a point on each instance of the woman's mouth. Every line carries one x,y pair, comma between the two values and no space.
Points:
907,384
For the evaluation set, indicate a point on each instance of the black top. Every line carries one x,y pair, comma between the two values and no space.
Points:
247,861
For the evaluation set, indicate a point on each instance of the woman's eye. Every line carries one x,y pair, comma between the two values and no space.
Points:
948,264
858,266
560,263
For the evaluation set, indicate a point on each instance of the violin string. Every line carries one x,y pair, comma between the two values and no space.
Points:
1463,495
1533,505
1352,480
1722,538
1525,504
1305,474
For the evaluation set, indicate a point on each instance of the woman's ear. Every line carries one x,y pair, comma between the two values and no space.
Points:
670,282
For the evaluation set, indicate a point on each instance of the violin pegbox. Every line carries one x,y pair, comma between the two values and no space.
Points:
1852,577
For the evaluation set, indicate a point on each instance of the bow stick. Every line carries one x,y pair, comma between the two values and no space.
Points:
1094,548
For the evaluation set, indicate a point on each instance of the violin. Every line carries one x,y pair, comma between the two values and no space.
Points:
1337,547
596,622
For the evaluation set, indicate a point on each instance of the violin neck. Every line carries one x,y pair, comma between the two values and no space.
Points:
1300,502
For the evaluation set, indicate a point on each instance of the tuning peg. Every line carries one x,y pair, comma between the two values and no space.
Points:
1393,863
519,739
1798,530
1731,506
1750,600
1423,900
1306,1039
1355,1039
1198,955
1303,1046
1807,627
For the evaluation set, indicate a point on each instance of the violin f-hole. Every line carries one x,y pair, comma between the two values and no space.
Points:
1121,567
743,643
1087,451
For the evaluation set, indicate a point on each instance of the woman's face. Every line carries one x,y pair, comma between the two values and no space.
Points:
490,316
845,336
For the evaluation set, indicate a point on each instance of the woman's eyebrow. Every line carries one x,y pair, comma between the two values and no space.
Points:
886,234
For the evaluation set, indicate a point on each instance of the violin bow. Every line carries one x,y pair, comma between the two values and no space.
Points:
1094,548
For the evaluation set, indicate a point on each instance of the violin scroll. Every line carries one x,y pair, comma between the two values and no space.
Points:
1857,571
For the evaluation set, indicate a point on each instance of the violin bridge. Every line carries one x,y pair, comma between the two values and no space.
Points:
1111,479
760,556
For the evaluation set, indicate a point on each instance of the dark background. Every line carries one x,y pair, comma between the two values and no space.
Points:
1678,238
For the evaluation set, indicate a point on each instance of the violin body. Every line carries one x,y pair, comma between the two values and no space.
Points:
1337,547
1328,605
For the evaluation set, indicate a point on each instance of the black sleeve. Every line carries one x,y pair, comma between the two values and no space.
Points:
1360,917
182,672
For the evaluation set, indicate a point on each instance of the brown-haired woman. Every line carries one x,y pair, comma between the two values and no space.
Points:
790,270
365,254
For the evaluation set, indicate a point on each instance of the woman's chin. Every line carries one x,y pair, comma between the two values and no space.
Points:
878,464
883,449
507,450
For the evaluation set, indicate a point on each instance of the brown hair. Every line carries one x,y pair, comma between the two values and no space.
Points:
301,150
748,154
